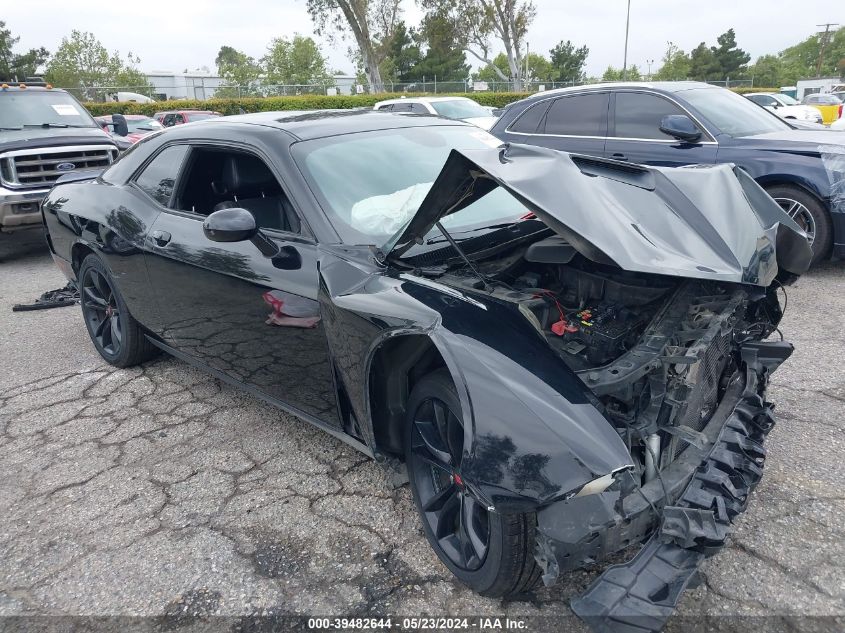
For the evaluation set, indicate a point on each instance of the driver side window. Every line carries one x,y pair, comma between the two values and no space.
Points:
638,115
219,178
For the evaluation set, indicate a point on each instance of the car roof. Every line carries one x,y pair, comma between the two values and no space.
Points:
421,100
311,124
660,86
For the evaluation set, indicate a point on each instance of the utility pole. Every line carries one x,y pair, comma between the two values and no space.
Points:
824,36
649,62
625,58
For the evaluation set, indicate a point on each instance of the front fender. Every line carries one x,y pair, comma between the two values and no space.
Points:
533,432
532,429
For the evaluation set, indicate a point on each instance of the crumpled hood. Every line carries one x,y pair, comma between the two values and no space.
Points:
705,222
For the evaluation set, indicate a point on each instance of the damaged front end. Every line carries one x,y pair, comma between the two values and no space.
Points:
657,288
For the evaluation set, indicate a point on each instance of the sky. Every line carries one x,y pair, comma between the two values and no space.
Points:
187,34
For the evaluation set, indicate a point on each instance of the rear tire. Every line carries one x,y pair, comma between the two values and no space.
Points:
116,336
810,215
495,555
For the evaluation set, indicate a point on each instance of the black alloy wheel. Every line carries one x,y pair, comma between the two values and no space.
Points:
490,552
457,520
116,335
102,313
809,214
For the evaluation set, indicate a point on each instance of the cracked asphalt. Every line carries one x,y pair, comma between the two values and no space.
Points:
159,491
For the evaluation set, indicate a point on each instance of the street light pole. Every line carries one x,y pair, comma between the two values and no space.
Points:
625,59
649,62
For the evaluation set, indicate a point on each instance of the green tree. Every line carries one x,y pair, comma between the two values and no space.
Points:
371,23
730,59
403,54
801,60
227,56
239,71
297,61
18,65
703,64
767,71
478,22
615,74
568,61
83,64
442,59
539,68
676,64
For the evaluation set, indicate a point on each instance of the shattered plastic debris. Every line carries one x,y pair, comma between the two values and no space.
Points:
59,298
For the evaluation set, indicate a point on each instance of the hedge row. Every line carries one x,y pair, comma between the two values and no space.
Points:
299,102
304,102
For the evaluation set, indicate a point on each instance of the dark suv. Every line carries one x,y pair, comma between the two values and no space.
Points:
44,133
683,123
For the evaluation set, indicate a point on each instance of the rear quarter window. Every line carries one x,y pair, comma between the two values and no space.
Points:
578,115
529,121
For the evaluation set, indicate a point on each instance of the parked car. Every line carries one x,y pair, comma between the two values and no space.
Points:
785,106
683,123
568,353
131,97
839,124
44,133
169,118
458,108
137,127
829,105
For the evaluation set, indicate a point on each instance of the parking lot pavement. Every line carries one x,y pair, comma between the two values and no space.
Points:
160,491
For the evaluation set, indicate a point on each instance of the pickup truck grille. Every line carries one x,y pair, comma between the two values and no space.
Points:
41,167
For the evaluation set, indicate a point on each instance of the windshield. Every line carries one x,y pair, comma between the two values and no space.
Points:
143,125
26,108
459,109
194,116
828,99
733,114
371,184
786,99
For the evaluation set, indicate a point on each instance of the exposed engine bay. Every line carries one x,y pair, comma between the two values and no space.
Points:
657,351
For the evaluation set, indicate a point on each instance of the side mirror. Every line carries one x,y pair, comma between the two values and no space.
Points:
121,127
230,225
681,127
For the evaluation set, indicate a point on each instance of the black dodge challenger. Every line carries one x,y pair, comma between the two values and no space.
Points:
567,355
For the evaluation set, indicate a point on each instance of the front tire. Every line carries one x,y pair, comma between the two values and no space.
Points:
809,214
117,337
491,553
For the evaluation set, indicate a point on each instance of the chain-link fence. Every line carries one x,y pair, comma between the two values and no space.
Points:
214,88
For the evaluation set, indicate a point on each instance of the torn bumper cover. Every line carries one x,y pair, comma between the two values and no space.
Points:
701,494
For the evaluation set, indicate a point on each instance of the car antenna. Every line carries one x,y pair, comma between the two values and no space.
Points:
451,240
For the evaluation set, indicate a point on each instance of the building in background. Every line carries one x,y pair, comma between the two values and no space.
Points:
806,87
197,84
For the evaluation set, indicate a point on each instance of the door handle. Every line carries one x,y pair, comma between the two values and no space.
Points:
618,156
161,238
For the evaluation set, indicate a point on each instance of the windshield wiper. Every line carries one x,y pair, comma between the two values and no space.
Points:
48,125
489,227
6,127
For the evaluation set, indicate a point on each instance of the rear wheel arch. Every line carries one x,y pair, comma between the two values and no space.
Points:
396,365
